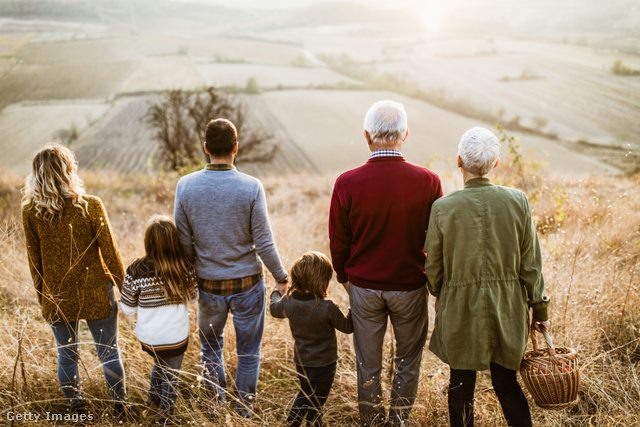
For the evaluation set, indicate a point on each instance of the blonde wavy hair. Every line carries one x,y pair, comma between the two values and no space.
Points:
52,180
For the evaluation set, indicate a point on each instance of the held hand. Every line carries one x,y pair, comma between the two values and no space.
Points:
539,326
282,288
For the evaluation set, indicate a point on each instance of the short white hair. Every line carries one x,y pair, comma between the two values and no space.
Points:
479,149
386,121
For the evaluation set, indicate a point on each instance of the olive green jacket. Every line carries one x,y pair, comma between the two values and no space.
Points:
485,266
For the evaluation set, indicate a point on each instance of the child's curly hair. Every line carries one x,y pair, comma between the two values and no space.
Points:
311,273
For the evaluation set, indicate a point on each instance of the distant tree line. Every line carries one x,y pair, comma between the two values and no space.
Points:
84,10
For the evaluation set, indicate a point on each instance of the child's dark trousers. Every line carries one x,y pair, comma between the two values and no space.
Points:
315,385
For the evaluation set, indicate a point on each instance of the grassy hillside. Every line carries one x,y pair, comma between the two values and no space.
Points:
591,243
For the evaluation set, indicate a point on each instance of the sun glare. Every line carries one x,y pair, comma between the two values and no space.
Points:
432,14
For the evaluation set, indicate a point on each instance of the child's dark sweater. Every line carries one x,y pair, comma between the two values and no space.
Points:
312,326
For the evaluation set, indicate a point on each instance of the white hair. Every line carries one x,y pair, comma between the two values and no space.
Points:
479,150
386,122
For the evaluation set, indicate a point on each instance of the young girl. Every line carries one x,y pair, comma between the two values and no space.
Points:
313,320
159,286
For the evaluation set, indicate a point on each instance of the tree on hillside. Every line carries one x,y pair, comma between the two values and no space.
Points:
179,119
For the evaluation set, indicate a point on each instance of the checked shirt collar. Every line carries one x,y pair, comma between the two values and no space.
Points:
385,153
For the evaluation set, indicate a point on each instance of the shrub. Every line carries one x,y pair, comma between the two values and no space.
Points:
620,69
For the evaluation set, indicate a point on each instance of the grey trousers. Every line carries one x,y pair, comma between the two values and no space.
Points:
408,313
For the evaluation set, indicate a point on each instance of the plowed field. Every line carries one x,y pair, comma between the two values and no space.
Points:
327,126
121,140
24,129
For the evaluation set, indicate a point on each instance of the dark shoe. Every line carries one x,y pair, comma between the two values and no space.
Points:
119,408
78,407
79,415
122,412
152,403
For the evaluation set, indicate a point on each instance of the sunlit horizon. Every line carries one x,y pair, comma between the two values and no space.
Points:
432,14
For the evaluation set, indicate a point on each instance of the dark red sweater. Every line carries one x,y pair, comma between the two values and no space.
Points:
377,223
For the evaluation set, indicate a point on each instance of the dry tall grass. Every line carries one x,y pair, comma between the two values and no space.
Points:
590,233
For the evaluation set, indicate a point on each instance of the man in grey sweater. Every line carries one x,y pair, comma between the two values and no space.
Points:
222,218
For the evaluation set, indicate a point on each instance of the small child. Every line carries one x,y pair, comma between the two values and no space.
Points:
313,320
159,287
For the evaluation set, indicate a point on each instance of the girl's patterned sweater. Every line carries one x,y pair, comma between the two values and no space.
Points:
163,325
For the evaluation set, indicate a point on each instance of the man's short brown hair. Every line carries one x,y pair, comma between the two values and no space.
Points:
221,137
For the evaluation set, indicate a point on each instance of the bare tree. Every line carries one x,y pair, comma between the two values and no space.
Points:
179,120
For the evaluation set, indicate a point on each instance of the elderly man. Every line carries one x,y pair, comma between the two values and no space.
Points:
378,219
222,218
485,267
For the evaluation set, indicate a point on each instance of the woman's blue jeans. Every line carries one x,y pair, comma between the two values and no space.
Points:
105,336
247,310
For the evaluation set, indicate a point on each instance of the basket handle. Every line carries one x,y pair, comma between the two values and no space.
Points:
547,337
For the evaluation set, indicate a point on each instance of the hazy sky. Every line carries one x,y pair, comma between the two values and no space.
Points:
267,4
589,14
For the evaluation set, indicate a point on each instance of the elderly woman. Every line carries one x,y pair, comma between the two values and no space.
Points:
484,267
74,262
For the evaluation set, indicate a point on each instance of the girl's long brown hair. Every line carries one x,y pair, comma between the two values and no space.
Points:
164,250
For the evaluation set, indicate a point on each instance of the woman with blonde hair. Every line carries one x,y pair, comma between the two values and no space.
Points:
74,263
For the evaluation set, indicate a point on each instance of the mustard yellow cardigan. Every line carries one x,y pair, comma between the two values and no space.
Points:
71,261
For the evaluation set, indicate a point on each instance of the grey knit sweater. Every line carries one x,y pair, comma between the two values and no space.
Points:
223,224
312,326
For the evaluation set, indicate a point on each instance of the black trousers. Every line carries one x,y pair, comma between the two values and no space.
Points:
315,385
514,404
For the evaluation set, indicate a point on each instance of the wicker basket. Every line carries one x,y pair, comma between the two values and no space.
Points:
551,375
